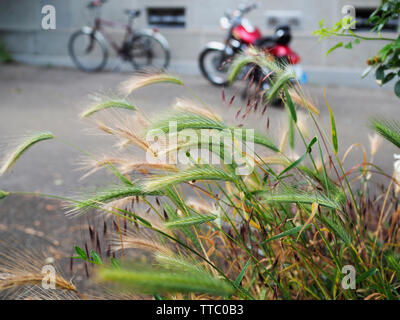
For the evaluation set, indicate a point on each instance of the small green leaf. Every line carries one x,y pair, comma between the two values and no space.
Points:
340,44
144,221
397,88
81,253
291,132
394,264
95,258
389,77
242,273
333,127
349,45
115,263
3,194
366,72
300,160
290,105
380,73
119,175
366,275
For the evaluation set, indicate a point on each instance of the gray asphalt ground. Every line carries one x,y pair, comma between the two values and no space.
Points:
33,98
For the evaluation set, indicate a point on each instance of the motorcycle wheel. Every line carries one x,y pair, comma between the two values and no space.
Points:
214,65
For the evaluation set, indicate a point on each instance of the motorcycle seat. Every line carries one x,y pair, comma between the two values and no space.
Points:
265,42
132,13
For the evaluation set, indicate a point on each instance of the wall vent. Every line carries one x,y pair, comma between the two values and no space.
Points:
166,17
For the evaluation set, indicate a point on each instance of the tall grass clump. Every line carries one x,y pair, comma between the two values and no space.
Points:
289,229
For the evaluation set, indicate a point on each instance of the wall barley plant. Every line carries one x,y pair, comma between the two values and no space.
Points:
200,231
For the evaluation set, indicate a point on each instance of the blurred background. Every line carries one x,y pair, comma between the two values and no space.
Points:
188,25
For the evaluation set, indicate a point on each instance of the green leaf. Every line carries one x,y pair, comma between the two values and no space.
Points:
380,73
95,258
333,127
290,105
291,132
366,72
394,264
81,253
3,194
242,273
289,232
389,77
397,88
340,44
115,263
349,45
300,160
366,275
119,175
142,220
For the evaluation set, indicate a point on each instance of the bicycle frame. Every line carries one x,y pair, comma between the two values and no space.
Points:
129,32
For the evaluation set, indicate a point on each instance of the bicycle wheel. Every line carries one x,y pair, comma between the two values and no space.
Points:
88,51
147,51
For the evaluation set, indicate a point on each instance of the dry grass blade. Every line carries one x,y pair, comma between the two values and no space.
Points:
25,268
186,105
137,241
27,278
123,164
303,101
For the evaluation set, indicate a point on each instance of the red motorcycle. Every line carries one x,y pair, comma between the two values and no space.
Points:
216,57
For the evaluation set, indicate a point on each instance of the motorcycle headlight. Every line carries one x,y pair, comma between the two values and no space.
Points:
224,23
234,43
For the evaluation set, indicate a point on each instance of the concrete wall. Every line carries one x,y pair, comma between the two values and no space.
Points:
20,28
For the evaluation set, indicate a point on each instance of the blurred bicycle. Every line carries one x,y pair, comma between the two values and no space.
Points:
143,48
